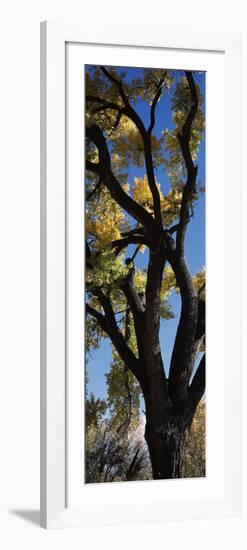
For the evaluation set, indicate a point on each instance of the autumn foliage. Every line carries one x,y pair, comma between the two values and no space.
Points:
142,191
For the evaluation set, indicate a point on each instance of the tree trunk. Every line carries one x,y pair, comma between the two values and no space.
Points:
167,446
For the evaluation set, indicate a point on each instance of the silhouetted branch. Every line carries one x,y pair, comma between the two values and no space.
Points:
198,384
95,134
146,135
189,187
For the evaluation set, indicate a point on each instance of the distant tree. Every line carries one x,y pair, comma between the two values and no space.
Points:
124,303
115,454
115,449
195,459
95,409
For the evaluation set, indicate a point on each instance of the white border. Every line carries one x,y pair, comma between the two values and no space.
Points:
53,318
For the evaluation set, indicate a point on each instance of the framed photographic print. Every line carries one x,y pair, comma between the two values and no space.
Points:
140,275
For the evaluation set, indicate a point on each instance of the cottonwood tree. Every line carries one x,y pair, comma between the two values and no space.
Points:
125,303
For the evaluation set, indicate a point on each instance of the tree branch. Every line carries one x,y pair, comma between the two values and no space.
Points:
137,309
136,231
119,244
198,384
153,106
120,88
91,193
146,135
186,342
136,251
193,110
93,167
105,104
155,367
172,229
185,346
201,324
88,256
189,187
97,315
117,338
95,134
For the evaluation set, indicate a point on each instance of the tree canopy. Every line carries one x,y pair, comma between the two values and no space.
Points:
136,225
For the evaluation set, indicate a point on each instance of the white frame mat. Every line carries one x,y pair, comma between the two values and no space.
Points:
56,508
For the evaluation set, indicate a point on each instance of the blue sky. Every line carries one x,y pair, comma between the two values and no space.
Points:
99,360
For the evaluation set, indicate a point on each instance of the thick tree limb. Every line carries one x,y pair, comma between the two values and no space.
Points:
198,384
97,315
153,107
94,190
146,138
119,244
173,229
136,231
126,370
109,324
185,345
138,323
129,109
191,327
154,364
93,167
193,110
137,309
186,341
95,134
190,334
117,337
104,104
201,321
189,188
